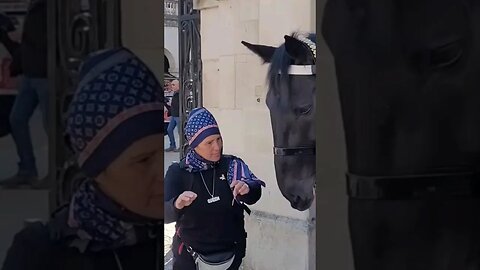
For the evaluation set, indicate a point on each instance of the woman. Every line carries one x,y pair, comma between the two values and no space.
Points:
205,196
114,220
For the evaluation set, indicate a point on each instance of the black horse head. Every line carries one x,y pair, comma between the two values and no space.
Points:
291,101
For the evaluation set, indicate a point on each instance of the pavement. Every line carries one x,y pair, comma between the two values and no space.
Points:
17,205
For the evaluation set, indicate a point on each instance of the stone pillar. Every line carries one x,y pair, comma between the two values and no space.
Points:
234,90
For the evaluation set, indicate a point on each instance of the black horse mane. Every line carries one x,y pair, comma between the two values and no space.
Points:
280,63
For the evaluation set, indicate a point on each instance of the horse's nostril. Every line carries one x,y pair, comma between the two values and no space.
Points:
295,199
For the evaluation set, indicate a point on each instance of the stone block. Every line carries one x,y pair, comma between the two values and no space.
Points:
210,80
244,82
210,31
247,31
205,4
227,24
276,242
277,20
248,10
251,81
226,87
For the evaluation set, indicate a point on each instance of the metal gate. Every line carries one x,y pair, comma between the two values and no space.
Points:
190,66
80,27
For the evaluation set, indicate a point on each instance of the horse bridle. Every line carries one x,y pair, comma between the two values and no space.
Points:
300,70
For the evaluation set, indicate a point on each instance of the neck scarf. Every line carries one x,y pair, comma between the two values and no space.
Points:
237,168
99,223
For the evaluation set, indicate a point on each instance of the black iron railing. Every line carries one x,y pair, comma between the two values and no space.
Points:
190,67
82,27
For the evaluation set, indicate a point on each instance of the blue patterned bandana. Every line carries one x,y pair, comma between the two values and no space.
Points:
118,101
101,224
200,125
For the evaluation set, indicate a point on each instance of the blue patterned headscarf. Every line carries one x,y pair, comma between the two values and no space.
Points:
200,125
118,102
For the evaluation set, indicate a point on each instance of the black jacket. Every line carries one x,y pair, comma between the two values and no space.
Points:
37,247
33,49
206,227
175,107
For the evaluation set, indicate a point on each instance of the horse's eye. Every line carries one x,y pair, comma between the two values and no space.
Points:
445,55
303,110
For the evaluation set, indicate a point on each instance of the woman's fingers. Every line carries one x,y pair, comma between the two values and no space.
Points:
189,197
234,183
190,194
237,188
244,189
185,199
240,188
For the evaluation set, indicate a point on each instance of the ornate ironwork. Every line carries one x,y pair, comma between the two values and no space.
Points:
82,27
190,67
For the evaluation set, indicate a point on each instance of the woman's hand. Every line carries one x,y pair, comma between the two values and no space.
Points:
185,199
239,188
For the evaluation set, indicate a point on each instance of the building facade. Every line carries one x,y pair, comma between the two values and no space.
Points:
171,36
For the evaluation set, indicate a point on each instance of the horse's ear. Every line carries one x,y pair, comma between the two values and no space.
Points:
265,52
295,48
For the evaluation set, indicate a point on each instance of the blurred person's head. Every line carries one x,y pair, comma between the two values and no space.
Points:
175,85
203,135
115,127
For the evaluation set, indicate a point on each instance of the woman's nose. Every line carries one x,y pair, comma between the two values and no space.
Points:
216,146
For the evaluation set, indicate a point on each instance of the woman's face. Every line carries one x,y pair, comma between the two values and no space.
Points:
135,178
210,148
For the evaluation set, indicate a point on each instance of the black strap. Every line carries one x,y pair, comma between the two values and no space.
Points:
466,184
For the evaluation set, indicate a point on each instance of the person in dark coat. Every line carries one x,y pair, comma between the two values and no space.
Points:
175,115
206,193
29,62
115,218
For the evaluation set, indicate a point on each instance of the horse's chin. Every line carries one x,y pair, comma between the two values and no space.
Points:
299,200
303,206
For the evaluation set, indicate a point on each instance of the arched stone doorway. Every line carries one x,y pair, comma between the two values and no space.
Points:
166,64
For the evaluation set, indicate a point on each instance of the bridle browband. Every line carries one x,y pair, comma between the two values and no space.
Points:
300,70
304,70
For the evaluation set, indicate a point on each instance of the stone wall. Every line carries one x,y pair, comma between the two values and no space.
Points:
234,90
